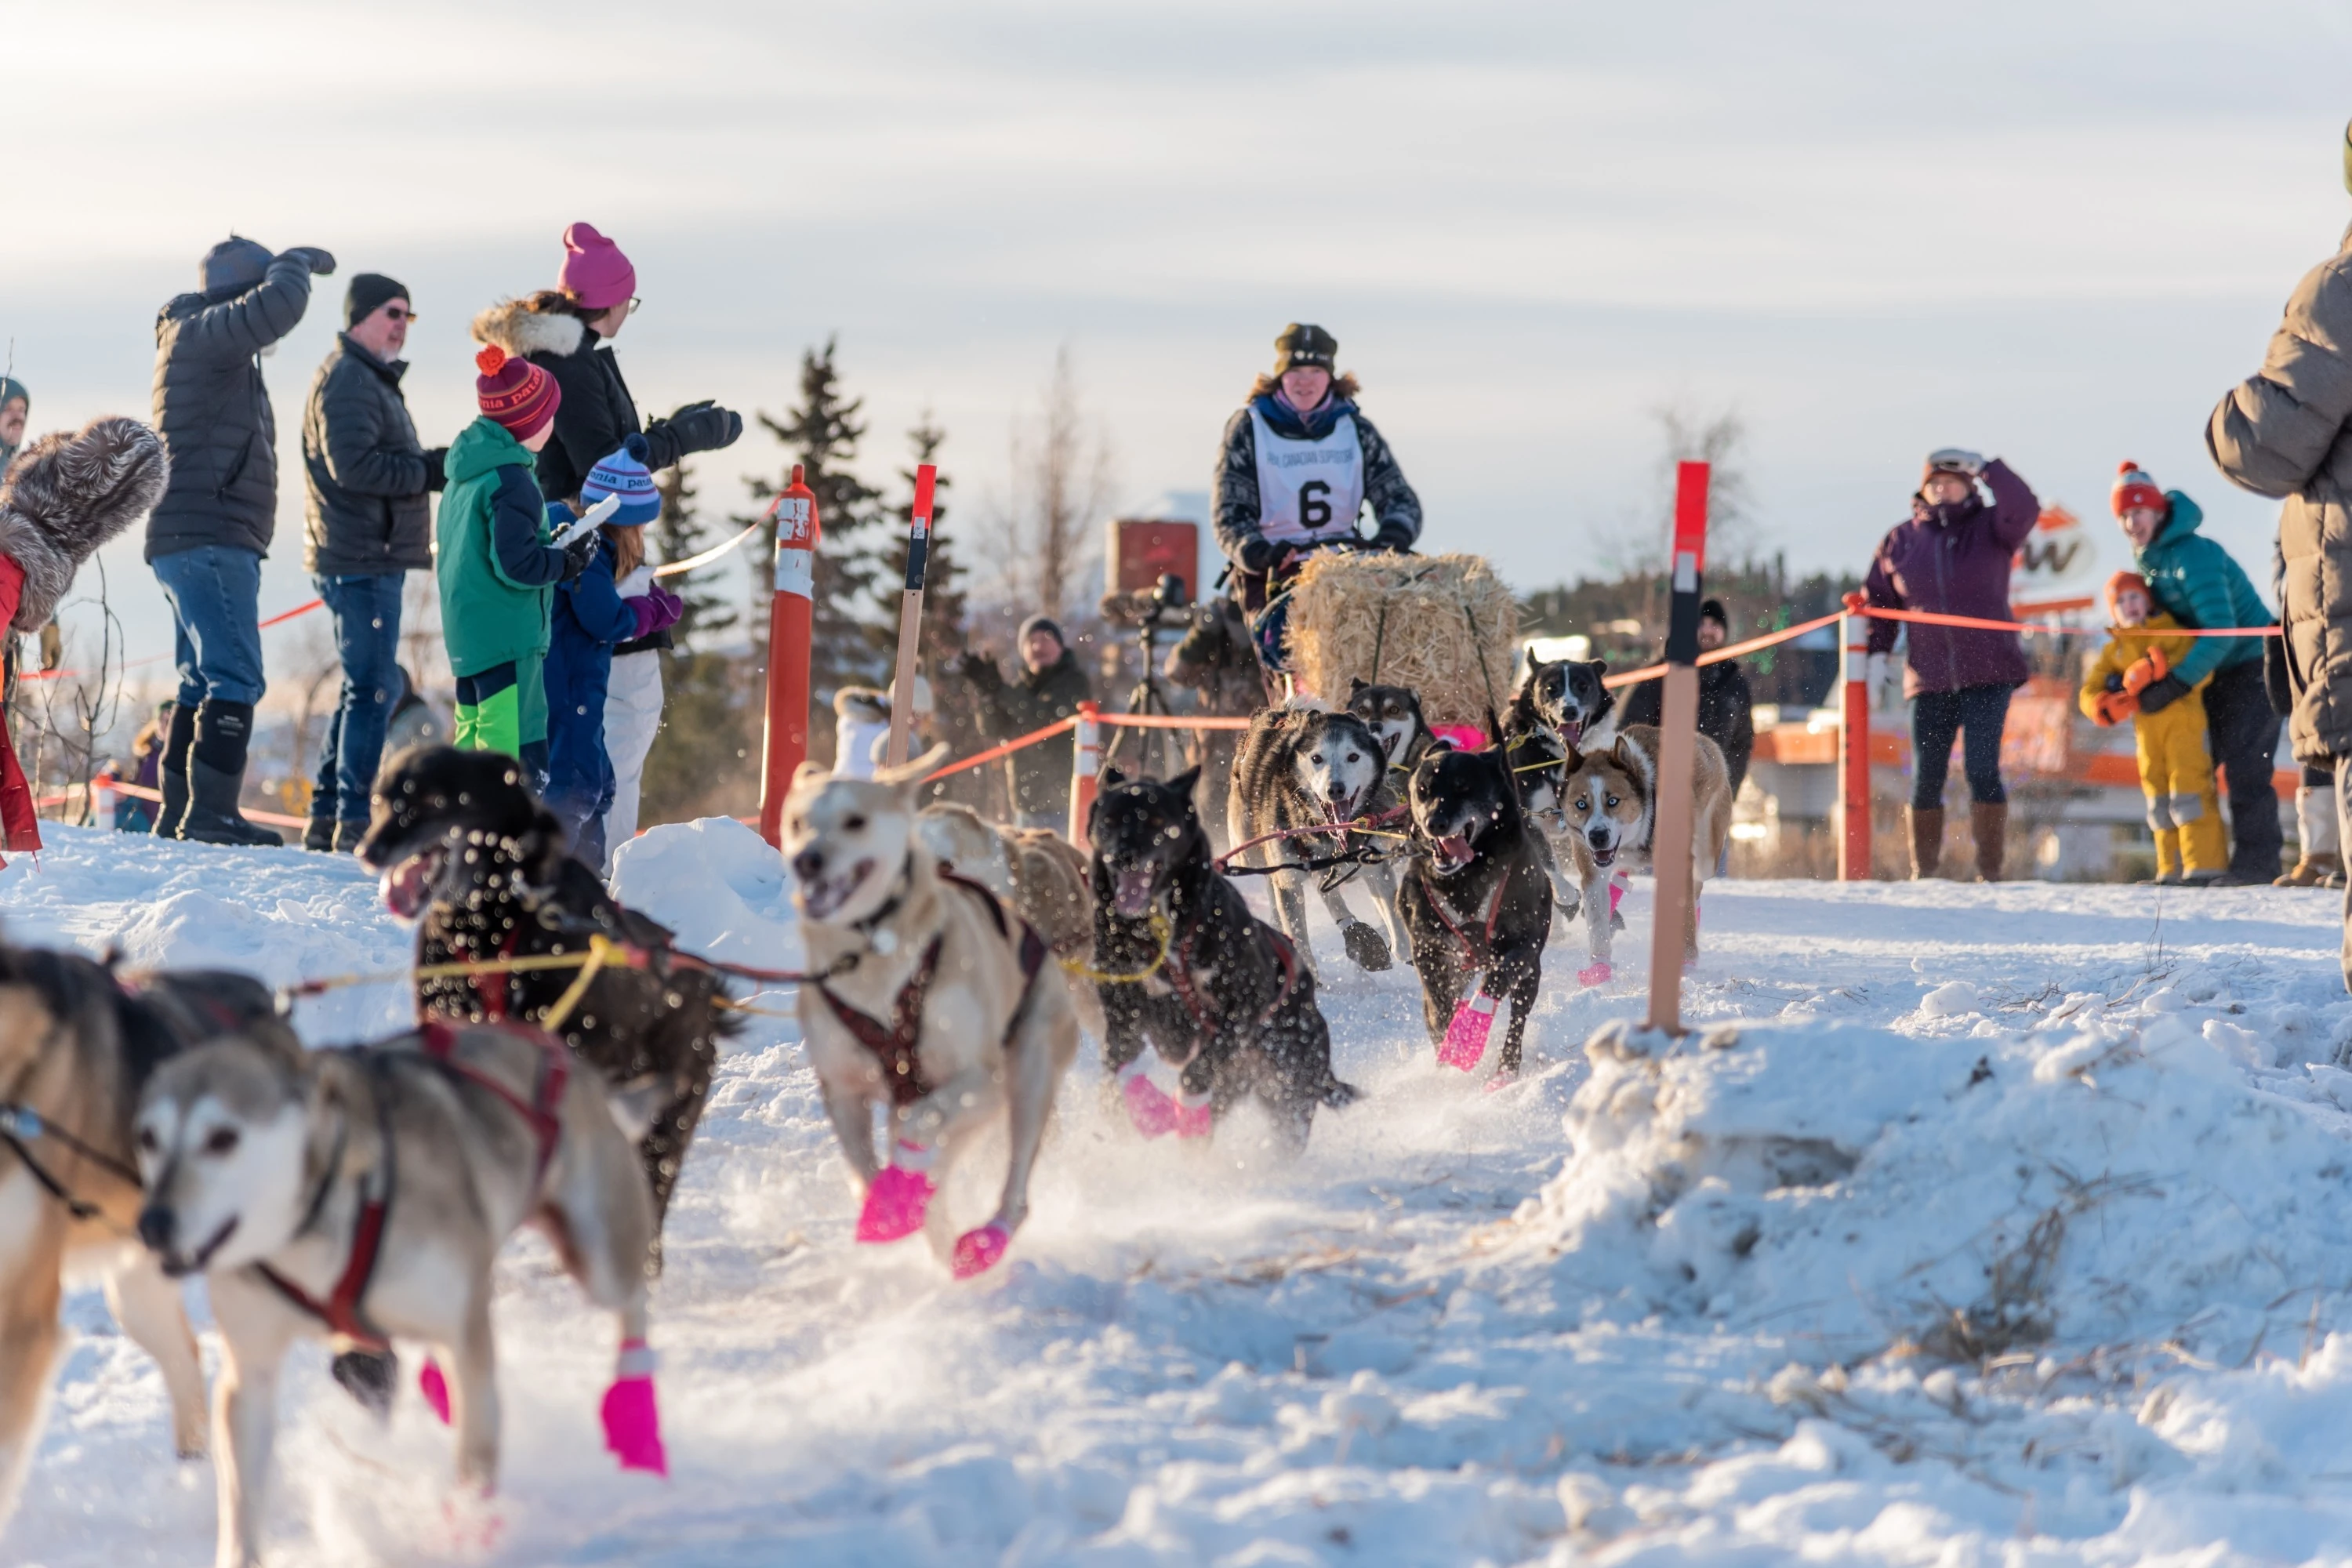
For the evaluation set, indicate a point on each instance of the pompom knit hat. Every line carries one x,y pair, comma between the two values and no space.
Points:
623,474
2127,581
594,271
516,392
2134,488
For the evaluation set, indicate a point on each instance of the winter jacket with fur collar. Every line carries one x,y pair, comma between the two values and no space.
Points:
2286,430
213,412
364,468
1235,504
66,495
597,412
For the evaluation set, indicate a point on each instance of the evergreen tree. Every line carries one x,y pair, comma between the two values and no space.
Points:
822,434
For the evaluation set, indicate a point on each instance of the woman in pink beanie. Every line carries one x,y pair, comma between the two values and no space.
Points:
564,330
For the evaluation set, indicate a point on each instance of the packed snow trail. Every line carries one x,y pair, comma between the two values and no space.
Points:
1665,1305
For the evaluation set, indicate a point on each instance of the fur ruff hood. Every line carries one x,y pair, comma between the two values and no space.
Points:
68,494
522,330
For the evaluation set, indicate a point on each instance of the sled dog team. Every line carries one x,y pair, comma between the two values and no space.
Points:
161,1125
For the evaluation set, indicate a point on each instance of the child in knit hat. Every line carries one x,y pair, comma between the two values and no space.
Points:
2176,771
497,565
591,618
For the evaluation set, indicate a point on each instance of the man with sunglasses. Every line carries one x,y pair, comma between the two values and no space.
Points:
368,524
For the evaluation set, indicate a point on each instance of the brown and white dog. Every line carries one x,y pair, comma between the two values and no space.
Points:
1035,869
77,1043
935,1002
360,1196
1609,807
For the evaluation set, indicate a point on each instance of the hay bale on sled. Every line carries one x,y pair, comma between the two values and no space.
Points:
1443,625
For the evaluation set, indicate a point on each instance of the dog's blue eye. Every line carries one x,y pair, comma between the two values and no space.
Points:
1613,800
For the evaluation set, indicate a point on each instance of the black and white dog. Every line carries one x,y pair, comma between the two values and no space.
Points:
1394,714
1304,769
1187,972
1478,904
484,870
1568,697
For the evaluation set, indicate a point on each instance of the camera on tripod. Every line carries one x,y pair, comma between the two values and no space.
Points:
1164,606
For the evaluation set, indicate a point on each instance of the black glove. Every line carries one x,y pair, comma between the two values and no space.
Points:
579,553
981,671
1395,537
320,262
2159,695
436,467
705,427
1260,555
2278,681
2114,682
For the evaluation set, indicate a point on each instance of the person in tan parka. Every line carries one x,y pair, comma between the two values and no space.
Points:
2286,431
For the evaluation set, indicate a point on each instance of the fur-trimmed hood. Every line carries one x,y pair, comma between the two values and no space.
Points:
66,495
520,329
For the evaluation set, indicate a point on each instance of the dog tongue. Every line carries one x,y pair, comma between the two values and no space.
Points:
1133,891
403,886
1455,848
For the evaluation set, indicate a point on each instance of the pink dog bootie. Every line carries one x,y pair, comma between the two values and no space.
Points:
1147,1105
977,1251
1594,974
434,1388
632,1419
1465,1036
1196,1118
900,1197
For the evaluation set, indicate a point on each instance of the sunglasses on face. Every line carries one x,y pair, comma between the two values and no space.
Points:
398,313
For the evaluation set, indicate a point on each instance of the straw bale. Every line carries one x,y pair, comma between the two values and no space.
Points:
1422,621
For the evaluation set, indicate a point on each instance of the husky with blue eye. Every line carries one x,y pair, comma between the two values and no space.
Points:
1609,805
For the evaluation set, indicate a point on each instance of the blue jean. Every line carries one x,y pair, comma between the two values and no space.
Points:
1977,714
215,595
367,637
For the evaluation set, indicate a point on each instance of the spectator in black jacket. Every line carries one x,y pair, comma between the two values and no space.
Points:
1050,687
368,526
564,331
1726,710
206,538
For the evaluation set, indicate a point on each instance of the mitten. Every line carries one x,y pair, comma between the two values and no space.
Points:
2161,693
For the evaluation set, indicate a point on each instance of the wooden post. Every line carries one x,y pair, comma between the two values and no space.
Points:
910,613
783,745
1670,854
1854,751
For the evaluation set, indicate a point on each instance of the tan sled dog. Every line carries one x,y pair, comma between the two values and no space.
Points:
1035,869
1610,805
363,1195
75,1040
936,1001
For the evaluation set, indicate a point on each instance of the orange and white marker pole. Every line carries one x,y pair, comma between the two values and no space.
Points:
1854,746
1085,762
784,745
1669,857
911,611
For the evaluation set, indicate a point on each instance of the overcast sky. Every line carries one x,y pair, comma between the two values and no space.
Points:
2056,231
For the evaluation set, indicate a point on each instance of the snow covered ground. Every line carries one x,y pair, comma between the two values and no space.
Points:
1977,1224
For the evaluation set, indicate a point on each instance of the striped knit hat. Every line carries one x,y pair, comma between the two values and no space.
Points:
2134,488
516,392
623,474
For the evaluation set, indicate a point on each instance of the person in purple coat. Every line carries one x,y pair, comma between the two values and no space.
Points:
1953,558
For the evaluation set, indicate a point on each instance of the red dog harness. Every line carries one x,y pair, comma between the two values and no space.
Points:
893,1045
1481,951
438,1042
1179,980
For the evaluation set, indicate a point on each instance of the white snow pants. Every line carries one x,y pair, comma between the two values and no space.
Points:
632,710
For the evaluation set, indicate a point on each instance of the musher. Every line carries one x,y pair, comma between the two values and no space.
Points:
1300,463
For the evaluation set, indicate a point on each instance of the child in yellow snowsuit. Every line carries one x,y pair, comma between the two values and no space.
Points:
2176,771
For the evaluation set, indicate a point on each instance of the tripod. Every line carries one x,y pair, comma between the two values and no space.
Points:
1153,753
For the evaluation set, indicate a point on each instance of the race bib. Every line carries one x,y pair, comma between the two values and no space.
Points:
1308,490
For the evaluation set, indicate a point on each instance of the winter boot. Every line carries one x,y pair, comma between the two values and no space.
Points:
320,836
1989,821
1926,841
348,836
172,775
217,776
2323,856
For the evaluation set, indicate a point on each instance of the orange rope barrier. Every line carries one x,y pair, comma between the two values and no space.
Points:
278,619
275,818
1005,749
1729,650
1170,721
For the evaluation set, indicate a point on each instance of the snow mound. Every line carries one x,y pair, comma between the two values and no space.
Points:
1971,1195
717,884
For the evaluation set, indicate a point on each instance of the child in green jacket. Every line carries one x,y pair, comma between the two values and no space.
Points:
496,565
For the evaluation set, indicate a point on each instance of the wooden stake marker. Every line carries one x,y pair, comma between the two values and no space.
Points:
910,612
1670,840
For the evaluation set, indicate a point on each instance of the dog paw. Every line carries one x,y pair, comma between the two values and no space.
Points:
1365,946
895,1205
1506,1077
368,1377
1594,974
633,1425
977,1251
1148,1107
434,1388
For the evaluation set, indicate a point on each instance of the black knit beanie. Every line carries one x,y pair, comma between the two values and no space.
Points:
368,294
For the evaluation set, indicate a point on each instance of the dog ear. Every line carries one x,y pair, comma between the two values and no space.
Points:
810,774
1600,667
1183,784
1111,776
1356,683
913,770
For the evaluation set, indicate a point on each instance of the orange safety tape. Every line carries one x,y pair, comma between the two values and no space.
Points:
1170,721
280,619
276,819
1006,749
1730,650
